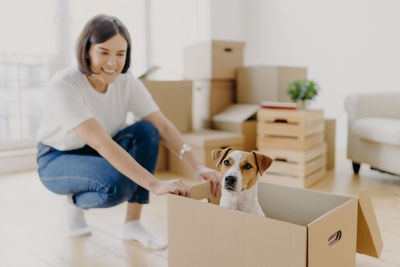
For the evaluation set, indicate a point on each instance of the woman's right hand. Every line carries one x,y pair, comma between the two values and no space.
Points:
175,186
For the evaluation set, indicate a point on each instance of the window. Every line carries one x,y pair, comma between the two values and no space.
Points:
38,39
26,47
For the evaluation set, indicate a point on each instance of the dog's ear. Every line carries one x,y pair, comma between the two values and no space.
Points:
262,161
218,155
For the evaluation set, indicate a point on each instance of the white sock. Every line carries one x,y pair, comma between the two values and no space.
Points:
134,230
76,220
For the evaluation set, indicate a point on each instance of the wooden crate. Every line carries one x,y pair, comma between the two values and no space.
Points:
300,168
289,129
294,181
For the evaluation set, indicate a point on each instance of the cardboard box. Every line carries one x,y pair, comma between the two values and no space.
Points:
239,118
303,228
212,60
162,161
329,137
175,101
266,83
190,105
203,142
209,98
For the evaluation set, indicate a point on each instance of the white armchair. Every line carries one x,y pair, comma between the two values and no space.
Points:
374,131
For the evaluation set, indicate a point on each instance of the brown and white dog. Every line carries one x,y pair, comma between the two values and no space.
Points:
240,171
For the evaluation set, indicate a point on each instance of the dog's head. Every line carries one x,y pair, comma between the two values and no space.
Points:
239,169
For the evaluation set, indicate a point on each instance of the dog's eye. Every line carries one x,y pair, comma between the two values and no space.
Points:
226,162
247,166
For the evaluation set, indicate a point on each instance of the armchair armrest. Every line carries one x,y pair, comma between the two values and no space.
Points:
386,105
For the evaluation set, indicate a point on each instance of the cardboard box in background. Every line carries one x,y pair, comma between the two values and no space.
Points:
330,134
212,60
162,161
303,228
209,98
203,142
256,84
175,101
239,118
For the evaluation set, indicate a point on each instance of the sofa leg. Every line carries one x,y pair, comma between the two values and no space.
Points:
356,167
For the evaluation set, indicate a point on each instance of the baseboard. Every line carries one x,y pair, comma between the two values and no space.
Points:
18,160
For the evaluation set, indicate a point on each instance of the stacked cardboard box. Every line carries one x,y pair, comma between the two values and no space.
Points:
294,139
175,101
266,83
203,142
209,70
253,85
239,118
212,67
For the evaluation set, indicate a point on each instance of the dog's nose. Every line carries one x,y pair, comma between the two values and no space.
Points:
230,180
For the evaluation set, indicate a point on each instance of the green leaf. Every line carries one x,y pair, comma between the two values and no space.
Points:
302,89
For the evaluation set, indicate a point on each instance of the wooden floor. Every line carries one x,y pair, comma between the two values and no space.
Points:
33,228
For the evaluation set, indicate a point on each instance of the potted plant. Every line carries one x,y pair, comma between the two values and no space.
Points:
301,91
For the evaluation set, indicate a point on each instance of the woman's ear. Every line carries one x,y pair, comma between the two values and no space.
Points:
219,155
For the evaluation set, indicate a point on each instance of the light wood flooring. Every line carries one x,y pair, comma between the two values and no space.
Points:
33,228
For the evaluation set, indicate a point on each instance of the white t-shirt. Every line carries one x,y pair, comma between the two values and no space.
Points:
70,100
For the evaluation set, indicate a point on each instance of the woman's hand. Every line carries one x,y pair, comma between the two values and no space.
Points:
175,186
203,173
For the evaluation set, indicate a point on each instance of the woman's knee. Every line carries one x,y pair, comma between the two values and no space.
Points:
148,133
119,191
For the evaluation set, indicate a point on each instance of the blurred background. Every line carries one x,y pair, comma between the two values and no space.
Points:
346,46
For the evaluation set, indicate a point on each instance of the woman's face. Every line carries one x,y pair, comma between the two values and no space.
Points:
107,59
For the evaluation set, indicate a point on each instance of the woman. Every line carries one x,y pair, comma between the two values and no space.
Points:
84,151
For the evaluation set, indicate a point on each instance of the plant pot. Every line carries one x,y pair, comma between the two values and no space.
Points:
302,104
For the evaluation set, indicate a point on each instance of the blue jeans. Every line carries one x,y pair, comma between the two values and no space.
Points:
92,180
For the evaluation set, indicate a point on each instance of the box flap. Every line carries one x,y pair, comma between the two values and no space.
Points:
212,138
369,239
158,73
203,191
237,113
148,72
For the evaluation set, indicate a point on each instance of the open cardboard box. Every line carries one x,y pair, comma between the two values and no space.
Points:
302,228
239,118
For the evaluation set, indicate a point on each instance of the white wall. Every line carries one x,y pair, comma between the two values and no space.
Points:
175,24
228,20
347,46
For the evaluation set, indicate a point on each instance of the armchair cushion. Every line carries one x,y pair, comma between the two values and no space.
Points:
380,130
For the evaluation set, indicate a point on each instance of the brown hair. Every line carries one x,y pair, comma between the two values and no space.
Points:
99,29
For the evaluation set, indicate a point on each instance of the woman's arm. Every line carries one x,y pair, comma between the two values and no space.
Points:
171,137
97,138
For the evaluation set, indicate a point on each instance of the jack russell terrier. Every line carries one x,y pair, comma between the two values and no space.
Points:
240,171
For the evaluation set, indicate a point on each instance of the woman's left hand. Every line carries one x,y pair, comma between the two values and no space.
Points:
203,173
